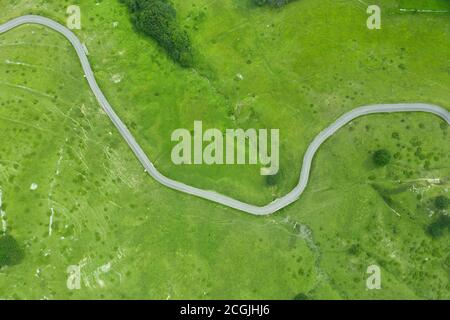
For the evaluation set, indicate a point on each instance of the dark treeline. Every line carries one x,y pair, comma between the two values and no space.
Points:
157,19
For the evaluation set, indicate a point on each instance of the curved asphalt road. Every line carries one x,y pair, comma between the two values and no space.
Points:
210,195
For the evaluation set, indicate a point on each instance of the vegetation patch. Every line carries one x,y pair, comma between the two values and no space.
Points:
10,251
158,19
273,180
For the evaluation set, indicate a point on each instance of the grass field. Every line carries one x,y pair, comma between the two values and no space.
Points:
302,66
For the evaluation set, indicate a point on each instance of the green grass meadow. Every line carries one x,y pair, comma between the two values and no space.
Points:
295,68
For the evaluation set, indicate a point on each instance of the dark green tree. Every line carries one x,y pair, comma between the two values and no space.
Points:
10,251
441,202
381,157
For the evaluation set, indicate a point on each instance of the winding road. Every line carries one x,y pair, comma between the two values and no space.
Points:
205,194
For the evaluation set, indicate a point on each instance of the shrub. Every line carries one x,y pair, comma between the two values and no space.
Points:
381,157
272,180
441,202
354,249
439,227
271,3
10,251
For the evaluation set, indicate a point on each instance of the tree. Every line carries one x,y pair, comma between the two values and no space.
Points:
441,202
10,251
381,157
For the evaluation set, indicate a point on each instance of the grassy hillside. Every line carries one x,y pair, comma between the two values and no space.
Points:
301,67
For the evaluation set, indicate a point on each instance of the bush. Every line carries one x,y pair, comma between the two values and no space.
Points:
271,3
381,157
157,19
302,296
441,202
273,180
10,251
439,227
354,249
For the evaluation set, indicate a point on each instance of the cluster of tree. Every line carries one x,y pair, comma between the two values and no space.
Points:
271,3
157,19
